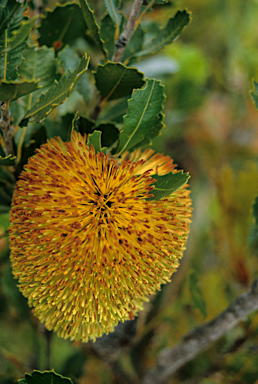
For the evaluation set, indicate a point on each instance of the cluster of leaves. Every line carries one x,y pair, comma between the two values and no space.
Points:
40,66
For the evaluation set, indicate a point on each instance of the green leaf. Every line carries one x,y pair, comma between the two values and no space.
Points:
143,111
110,134
255,210
39,63
115,112
196,295
61,128
115,80
14,90
152,133
93,27
8,160
57,94
21,34
7,12
62,25
167,35
135,44
112,8
2,12
95,140
254,95
12,17
85,125
68,59
47,377
107,34
167,184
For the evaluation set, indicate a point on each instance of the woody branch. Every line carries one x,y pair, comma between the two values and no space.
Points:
171,359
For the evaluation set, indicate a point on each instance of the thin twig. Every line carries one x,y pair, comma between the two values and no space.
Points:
171,359
5,125
126,35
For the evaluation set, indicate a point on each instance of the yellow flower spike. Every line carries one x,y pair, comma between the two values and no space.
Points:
87,247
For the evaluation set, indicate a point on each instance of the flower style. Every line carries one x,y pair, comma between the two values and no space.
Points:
88,245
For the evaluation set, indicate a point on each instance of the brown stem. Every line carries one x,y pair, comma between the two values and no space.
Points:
126,35
171,359
5,125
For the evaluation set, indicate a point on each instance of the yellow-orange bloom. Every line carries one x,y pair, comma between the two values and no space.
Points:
87,246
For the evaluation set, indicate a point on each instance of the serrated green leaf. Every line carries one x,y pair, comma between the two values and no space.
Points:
47,377
40,63
196,295
21,34
152,133
11,20
62,25
95,140
14,90
8,160
92,25
167,184
107,34
167,35
255,210
57,94
143,111
254,95
115,80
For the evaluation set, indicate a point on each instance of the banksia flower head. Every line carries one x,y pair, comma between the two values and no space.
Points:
88,245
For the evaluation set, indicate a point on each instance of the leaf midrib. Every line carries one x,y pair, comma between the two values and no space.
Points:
139,122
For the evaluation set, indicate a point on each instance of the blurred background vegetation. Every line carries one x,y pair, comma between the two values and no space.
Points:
212,132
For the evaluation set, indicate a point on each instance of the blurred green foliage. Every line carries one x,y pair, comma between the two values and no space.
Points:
211,132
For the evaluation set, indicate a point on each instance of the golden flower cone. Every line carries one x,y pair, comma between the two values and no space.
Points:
87,246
